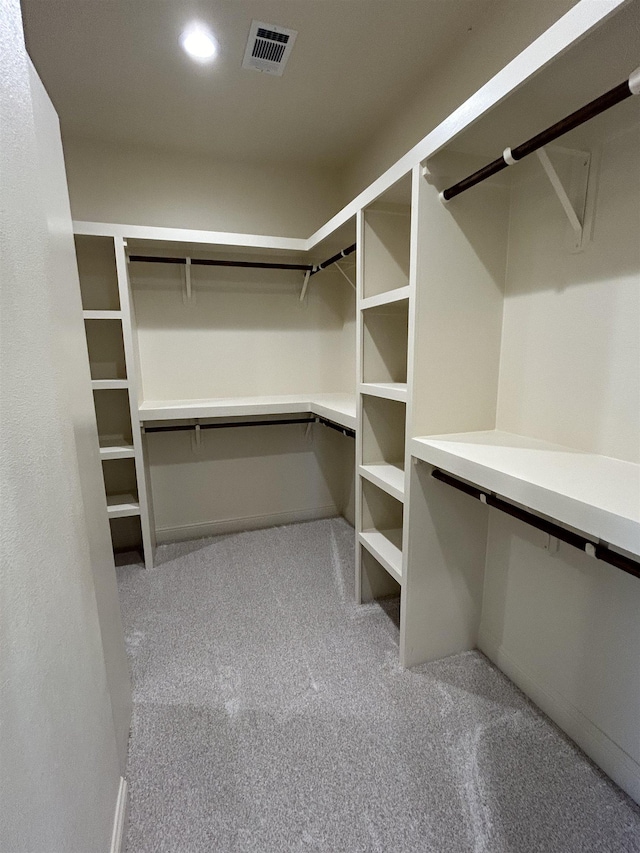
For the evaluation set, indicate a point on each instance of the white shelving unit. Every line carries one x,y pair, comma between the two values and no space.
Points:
108,326
385,304
462,359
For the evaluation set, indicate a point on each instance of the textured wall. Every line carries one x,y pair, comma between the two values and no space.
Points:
58,752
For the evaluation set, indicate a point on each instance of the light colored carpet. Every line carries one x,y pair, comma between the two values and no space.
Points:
270,714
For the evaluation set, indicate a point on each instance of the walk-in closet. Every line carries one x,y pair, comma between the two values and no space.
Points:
343,421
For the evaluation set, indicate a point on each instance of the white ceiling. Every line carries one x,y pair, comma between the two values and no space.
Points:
115,71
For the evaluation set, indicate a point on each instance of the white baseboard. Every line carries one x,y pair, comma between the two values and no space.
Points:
201,530
120,819
615,762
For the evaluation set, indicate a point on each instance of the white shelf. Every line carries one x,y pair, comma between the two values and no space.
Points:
389,297
116,449
102,384
339,408
119,506
102,315
389,478
387,390
595,494
385,546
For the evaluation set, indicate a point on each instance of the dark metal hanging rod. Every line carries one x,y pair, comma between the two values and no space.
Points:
614,96
312,269
231,424
334,259
594,549
209,262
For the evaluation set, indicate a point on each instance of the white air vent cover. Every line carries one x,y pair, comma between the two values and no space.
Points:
268,48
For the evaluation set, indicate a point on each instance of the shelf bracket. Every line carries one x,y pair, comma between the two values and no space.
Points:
186,293
196,439
305,285
339,268
575,216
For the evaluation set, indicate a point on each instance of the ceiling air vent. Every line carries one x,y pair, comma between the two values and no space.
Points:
268,48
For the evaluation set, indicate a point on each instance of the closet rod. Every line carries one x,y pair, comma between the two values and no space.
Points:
334,259
208,262
614,96
594,549
229,425
261,265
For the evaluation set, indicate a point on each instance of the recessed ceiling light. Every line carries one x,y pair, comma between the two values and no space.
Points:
199,43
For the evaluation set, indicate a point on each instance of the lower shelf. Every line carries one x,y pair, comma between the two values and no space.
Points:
119,506
386,547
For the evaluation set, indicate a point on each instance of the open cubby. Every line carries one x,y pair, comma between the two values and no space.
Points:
387,229
381,528
126,536
113,417
382,513
106,349
383,431
97,271
385,331
376,581
119,477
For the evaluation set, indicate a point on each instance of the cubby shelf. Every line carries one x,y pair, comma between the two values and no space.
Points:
116,450
102,315
385,546
107,384
385,476
389,297
119,506
387,390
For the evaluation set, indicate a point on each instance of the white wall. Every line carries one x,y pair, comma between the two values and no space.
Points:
111,183
510,27
244,334
566,627
59,750
570,364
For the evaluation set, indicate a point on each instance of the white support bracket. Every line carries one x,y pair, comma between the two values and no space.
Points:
186,293
196,439
551,544
339,268
575,216
305,285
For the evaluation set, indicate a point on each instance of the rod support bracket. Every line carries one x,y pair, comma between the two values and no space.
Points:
305,285
575,214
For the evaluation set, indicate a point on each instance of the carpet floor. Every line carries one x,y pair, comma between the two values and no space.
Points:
271,714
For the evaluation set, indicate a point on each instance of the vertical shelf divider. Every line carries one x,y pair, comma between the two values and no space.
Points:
133,374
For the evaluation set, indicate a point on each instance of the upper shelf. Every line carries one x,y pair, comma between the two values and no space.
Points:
339,408
595,494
